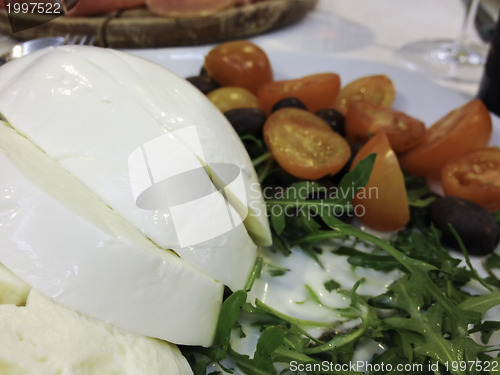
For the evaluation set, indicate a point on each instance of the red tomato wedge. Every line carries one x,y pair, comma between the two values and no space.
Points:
92,7
364,119
377,89
462,130
383,200
187,8
304,145
475,176
316,91
239,64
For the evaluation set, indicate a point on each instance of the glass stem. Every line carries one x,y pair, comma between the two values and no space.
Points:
468,23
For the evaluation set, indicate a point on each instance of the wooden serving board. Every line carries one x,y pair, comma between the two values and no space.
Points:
138,28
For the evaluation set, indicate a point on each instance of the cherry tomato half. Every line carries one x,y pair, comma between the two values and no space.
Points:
377,89
315,91
475,176
363,119
239,63
304,145
462,130
383,201
227,98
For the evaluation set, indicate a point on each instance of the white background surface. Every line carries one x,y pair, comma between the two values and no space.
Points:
370,30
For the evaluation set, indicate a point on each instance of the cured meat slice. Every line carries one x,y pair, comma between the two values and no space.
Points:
183,8
92,7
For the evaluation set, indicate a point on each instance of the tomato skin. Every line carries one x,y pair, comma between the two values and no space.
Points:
316,91
239,63
474,176
377,89
462,130
363,119
304,145
227,98
384,197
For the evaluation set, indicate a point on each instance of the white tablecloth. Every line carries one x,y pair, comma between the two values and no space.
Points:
372,30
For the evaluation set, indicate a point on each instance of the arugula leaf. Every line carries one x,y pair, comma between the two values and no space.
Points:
275,270
355,180
493,261
496,216
380,262
481,303
486,329
331,285
261,363
424,317
228,316
418,192
427,319
255,273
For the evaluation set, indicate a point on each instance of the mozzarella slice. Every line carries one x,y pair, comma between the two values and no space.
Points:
91,108
65,242
178,106
12,289
44,338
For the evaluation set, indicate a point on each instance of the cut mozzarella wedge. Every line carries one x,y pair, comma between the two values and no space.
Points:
12,289
61,239
44,338
91,109
175,106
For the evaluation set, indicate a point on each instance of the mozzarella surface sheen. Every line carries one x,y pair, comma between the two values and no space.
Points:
61,239
90,108
44,338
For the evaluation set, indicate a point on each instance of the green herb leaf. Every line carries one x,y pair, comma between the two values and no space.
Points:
331,285
229,313
481,303
355,180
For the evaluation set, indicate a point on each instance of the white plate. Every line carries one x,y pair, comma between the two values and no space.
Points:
415,94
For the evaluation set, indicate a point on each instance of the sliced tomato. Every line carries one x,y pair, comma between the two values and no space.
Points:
382,204
316,91
462,130
377,89
304,145
227,98
364,119
239,63
475,176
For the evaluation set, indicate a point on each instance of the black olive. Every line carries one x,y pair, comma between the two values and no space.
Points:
355,147
279,178
247,120
203,83
334,118
474,224
288,103
203,72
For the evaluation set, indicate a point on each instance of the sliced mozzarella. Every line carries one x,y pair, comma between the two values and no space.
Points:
91,108
60,238
175,106
12,289
45,338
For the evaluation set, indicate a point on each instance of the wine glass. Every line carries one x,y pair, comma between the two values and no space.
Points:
457,59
